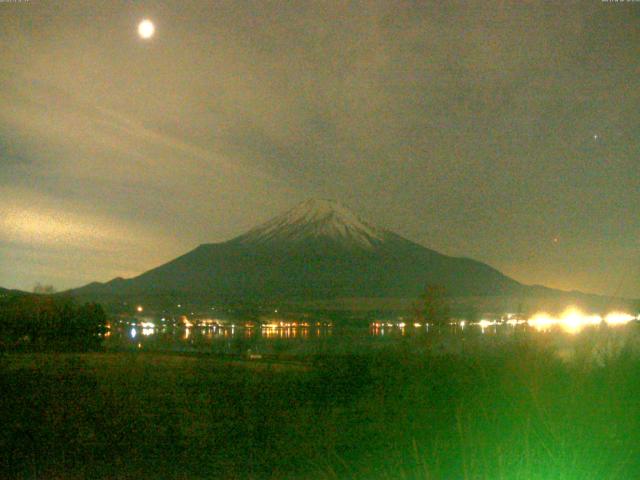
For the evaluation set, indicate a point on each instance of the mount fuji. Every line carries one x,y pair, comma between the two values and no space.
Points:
318,250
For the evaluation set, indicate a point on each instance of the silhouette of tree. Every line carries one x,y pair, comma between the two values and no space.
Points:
470,313
47,322
432,306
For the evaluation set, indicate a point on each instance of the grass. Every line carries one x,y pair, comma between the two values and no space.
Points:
516,411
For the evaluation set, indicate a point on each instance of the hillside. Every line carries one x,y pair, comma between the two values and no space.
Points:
319,250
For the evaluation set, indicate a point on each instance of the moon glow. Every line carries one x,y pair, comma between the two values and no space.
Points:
146,29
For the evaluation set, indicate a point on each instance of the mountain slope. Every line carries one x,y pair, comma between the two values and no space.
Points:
6,292
317,250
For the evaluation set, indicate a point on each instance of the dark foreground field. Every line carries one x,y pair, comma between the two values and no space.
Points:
518,412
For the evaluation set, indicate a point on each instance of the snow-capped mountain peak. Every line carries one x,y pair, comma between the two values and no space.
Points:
315,218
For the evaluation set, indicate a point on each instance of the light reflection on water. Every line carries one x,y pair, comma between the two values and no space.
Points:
538,323
220,339
310,338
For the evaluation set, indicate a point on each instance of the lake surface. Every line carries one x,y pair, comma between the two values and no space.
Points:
330,339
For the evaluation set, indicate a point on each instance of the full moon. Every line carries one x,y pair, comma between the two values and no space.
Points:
146,29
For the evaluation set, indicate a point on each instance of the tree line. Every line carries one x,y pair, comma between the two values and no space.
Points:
50,323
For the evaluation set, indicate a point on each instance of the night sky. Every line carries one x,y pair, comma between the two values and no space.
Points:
508,132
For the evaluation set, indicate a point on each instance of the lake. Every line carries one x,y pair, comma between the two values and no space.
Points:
326,338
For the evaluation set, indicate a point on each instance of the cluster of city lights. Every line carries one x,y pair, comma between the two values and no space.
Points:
284,324
572,320
399,324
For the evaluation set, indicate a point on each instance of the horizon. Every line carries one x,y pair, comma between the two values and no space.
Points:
314,201
314,207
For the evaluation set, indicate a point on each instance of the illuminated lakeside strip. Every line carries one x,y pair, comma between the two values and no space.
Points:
573,320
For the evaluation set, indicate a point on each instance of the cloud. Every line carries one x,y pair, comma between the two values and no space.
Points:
465,126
